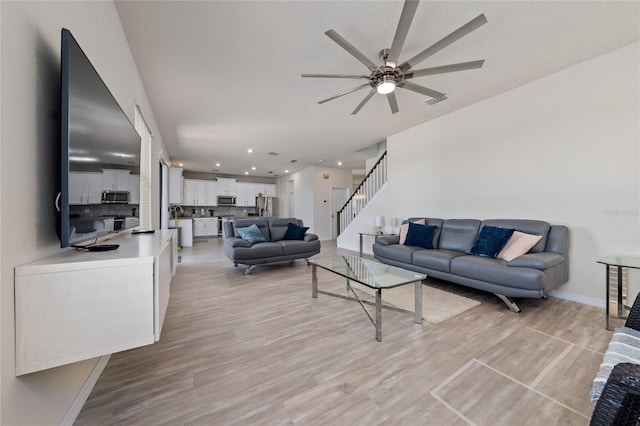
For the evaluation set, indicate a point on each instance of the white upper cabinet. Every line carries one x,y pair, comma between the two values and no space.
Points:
115,180
226,186
85,188
175,185
193,192
245,194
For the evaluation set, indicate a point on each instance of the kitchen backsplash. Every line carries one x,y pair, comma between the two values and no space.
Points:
201,211
96,210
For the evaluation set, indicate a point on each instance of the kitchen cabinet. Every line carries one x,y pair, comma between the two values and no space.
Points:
79,305
85,188
226,186
199,192
268,190
115,180
193,192
205,227
175,185
134,189
245,194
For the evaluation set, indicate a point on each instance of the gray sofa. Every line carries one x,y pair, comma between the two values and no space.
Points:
275,249
531,275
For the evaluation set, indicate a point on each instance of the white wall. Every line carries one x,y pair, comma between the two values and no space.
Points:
312,196
29,168
564,149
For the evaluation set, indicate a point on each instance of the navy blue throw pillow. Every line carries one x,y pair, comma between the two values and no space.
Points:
491,240
295,232
420,235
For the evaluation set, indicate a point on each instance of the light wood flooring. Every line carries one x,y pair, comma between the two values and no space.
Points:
259,350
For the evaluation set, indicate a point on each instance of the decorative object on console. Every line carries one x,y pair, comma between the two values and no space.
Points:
379,224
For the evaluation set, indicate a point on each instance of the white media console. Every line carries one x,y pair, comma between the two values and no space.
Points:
78,305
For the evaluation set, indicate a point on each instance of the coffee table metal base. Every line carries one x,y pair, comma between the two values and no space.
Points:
377,321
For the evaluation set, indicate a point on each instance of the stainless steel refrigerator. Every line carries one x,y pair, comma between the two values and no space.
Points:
267,206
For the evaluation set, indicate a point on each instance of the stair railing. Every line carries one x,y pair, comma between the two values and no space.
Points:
370,185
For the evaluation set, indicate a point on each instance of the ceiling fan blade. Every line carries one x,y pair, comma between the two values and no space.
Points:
364,101
344,93
408,12
393,102
475,23
462,66
421,89
335,76
351,49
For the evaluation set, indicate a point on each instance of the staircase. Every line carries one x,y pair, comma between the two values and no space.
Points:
370,185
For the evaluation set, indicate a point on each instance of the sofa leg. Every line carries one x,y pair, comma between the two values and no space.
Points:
509,302
249,269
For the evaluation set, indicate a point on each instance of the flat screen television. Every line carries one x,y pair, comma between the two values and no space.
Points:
100,154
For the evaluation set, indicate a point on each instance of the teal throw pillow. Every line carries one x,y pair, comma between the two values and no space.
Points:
491,240
420,235
251,234
295,232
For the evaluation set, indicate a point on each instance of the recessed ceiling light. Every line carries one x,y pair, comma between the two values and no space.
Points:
292,161
270,173
217,164
272,153
286,171
339,163
246,173
180,164
321,160
250,151
253,167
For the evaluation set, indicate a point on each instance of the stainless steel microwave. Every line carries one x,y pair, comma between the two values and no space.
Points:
226,200
115,197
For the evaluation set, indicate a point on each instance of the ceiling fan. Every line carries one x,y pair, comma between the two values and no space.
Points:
385,78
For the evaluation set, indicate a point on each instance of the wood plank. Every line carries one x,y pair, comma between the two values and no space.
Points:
258,349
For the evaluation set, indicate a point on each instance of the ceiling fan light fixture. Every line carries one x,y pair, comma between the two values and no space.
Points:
386,85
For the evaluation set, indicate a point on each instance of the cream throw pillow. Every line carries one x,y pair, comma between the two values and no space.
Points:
405,228
519,244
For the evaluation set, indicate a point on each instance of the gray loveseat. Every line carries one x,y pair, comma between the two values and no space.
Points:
275,249
531,275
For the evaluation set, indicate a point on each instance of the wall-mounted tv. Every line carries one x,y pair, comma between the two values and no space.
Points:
100,154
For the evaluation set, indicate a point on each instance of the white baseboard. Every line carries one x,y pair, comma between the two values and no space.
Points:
577,298
81,398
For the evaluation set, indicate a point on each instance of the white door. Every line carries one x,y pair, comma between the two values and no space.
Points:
339,196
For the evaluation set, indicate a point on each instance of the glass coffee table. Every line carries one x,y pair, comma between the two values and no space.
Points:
375,275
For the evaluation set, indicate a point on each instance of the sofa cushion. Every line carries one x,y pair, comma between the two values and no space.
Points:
496,271
440,260
420,235
295,232
491,240
257,251
519,244
262,224
251,234
298,246
459,234
535,227
397,252
404,228
278,227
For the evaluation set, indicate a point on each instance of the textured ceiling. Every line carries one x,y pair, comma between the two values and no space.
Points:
224,76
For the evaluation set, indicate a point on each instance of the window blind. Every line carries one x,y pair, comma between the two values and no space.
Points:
145,170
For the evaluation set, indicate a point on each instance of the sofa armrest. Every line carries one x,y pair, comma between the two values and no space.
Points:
619,402
388,240
237,242
310,237
544,260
